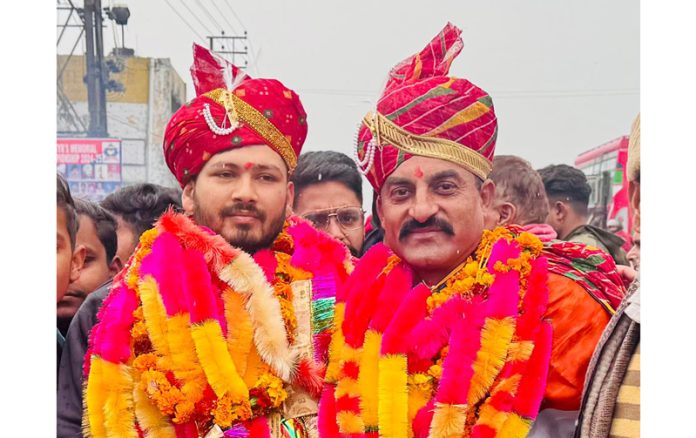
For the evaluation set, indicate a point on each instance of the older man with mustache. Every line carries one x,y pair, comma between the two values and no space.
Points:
443,329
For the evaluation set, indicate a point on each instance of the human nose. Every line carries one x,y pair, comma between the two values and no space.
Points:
245,190
333,227
423,208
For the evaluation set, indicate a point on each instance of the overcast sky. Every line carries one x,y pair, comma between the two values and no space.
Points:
563,75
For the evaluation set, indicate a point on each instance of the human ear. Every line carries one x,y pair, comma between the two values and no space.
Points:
508,213
116,265
290,204
187,197
77,262
380,213
559,210
487,193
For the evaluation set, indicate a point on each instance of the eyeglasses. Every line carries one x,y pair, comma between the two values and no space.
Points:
348,218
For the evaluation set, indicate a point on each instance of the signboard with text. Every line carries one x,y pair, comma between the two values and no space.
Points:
92,166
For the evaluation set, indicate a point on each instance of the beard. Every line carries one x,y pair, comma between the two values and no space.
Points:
247,237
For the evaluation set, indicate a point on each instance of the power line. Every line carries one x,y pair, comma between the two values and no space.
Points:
210,17
195,16
235,14
184,20
224,17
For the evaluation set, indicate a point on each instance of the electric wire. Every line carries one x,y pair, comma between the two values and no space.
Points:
196,17
224,16
185,22
235,14
210,17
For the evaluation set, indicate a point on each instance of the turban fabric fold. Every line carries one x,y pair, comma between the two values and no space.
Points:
425,112
231,110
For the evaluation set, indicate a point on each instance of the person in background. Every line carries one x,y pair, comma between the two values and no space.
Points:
328,193
97,235
69,260
611,398
574,308
569,194
519,198
135,208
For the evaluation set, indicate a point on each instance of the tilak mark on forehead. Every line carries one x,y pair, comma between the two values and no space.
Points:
248,165
419,172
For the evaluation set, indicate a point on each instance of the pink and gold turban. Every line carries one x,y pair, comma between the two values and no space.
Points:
231,110
425,112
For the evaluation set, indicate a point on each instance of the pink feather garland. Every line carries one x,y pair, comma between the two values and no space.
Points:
531,389
165,265
396,285
457,368
316,251
328,427
112,340
217,250
268,262
202,301
396,339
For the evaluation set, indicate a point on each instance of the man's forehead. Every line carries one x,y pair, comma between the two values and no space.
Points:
417,168
246,157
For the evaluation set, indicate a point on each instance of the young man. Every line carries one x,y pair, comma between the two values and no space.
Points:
97,235
220,321
441,330
569,194
136,208
328,193
68,260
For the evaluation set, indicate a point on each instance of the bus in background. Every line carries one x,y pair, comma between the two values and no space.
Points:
605,167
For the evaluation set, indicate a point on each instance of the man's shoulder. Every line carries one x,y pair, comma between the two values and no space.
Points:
586,236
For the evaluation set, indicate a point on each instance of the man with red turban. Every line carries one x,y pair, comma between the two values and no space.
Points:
220,322
442,330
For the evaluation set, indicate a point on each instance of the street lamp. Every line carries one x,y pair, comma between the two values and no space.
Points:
120,14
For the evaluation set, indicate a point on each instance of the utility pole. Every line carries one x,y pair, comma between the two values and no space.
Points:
96,94
226,46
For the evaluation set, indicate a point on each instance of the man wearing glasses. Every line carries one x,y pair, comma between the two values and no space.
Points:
328,193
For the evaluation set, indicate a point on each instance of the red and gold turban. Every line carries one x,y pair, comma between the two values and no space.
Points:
424,112
231,110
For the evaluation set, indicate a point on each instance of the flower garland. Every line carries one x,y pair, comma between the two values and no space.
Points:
197,333
444,361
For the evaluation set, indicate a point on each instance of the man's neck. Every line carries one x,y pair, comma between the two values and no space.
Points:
434,277
571,226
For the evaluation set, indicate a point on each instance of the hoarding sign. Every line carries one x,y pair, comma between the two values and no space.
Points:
92,166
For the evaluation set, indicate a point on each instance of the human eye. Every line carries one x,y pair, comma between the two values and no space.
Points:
399,193
349,217
225,174
267,177
445,187
319,220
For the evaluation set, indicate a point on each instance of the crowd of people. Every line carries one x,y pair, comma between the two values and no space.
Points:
261,300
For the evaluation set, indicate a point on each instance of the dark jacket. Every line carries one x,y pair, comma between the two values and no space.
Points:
70,369
602,239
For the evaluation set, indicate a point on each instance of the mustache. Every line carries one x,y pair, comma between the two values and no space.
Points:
435,222
246,208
